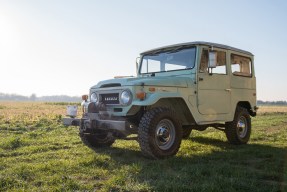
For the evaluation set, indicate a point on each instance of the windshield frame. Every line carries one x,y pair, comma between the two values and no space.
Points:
169,50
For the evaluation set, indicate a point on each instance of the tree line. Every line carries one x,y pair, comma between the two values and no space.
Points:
33,97
259,102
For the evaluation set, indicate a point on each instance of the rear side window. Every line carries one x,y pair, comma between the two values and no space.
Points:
241,66
220,63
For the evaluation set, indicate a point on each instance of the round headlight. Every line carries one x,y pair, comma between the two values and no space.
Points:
94,97
126,97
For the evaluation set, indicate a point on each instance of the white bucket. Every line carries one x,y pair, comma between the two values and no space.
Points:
72,110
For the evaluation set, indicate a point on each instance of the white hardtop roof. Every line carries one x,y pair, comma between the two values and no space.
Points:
189,44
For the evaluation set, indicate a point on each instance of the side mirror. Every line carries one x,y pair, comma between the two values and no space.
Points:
212,59
137,64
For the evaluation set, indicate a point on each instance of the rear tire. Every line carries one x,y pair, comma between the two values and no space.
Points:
159,133
238,131
186,131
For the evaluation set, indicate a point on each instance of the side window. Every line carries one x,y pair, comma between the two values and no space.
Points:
240,65
220,64
203,68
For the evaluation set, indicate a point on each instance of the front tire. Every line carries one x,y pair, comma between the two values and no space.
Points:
238,131
159,133
99,139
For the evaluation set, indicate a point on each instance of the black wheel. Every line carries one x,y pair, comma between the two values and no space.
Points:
97,140
159,133
186,131
238,131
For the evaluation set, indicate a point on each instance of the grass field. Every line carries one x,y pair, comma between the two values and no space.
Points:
37,153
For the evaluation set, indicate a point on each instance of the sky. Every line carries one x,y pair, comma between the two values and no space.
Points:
63,47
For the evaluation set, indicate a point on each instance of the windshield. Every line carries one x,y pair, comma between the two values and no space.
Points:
176,59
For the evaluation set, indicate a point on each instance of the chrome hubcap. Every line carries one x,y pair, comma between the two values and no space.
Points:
242,127
165,134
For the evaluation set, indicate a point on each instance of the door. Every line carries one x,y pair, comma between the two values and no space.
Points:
213,85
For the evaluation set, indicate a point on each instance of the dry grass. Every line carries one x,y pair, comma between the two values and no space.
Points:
29,115
13,109
272,109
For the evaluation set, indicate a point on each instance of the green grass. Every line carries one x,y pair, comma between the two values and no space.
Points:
43,155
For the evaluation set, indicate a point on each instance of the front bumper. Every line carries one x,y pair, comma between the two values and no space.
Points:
91,122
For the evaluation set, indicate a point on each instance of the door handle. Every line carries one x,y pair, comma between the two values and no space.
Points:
228,90
200,79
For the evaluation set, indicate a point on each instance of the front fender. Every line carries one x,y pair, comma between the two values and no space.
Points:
155,97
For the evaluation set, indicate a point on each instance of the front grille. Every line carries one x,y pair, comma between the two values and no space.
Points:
110,98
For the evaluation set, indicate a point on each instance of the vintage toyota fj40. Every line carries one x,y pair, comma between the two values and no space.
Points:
178,88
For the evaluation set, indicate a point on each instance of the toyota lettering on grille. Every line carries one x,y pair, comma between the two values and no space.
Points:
111,98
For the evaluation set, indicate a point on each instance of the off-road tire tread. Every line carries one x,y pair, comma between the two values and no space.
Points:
230,127
186,131
145,131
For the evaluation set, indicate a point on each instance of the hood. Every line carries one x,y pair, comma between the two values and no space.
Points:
147,81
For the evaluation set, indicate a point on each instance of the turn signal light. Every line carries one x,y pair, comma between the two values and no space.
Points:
85,97
141,95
